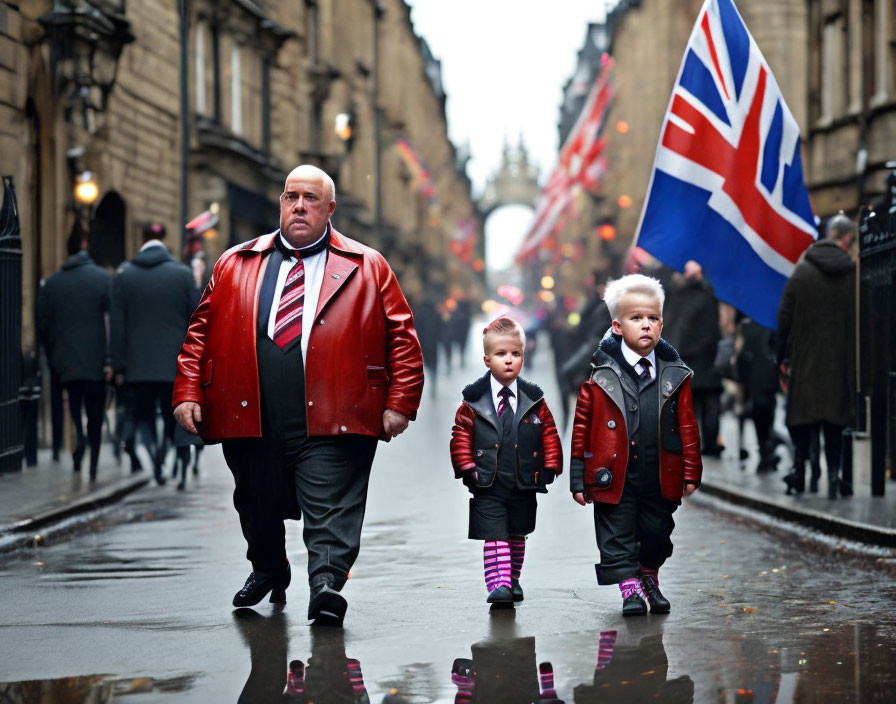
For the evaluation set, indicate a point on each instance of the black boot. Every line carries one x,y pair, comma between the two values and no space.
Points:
796,480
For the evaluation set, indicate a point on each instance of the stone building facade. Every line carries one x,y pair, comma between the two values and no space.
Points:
834,60
266,80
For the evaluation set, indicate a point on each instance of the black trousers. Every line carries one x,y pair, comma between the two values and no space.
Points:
150,398
833,446
89,396
707,406
635,531
329,477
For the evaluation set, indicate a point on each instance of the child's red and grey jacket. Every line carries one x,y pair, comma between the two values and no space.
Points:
607,407
476,438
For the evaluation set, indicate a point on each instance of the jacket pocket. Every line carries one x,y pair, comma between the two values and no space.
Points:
207,369
377,376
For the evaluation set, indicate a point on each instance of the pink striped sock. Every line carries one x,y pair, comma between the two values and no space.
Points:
517,555
496,559
605,649
546,677
295,678
630,586
651,572
355,677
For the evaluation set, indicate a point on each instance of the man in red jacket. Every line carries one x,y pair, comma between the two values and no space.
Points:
301,354
635,444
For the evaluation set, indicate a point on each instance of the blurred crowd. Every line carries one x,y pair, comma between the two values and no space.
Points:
111,344
802,374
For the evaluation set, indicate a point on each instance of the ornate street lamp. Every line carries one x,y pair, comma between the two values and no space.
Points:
86,38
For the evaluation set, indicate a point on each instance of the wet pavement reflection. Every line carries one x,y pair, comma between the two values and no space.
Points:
852,663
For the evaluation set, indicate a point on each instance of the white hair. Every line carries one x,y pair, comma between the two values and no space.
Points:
632,283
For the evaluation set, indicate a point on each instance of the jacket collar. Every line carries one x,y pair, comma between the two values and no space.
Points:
479,396
670,370
338,243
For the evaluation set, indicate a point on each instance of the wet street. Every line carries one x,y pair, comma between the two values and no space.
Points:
138,609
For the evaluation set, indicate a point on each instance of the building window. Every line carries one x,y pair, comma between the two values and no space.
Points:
236,101
199,59
884,51
833,69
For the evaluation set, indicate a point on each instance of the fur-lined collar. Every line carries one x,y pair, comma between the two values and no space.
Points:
482,386
611,347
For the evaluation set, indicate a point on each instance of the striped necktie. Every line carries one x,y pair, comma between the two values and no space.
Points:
288,323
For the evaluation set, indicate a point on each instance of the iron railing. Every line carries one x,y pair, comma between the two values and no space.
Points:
877,308
11,435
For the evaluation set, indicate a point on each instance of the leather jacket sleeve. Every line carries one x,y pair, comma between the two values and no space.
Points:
462,456
690,436
580,429
404,358
553,452
187,382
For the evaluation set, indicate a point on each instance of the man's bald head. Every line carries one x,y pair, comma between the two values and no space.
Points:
306,171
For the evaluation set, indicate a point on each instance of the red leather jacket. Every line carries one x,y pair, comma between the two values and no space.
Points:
475,439
363,354
600,430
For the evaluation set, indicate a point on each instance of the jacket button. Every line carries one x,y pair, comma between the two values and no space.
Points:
244,403
496,446
320,322
535,454
611,424
634,407
343,428
311,403
634,443
479,453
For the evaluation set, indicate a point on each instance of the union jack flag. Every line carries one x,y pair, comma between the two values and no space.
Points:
581,164
727,186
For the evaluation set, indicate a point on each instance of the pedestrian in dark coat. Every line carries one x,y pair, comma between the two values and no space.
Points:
816,329
152,302
693,330
72,305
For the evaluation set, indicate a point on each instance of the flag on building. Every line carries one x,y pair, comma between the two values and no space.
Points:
581,164
420,175
727,187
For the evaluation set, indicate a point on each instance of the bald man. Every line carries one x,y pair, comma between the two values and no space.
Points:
301,354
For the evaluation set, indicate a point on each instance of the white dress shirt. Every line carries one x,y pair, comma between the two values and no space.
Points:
496,398
314,276
633,358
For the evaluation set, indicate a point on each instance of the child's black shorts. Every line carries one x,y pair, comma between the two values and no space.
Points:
498,515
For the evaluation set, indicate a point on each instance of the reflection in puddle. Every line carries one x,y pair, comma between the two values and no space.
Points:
94,689
851,663
328,676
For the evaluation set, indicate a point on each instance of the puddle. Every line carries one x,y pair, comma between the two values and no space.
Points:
90,689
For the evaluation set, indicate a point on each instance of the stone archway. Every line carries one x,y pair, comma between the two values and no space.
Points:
514,183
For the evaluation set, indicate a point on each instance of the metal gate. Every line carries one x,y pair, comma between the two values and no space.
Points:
11,437
877,308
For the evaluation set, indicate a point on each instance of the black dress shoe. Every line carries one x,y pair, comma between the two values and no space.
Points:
813,485
516,590
658,603
833,485
501,598
326,607
257,586
634,605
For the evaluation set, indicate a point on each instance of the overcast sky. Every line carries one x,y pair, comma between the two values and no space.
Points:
504,63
